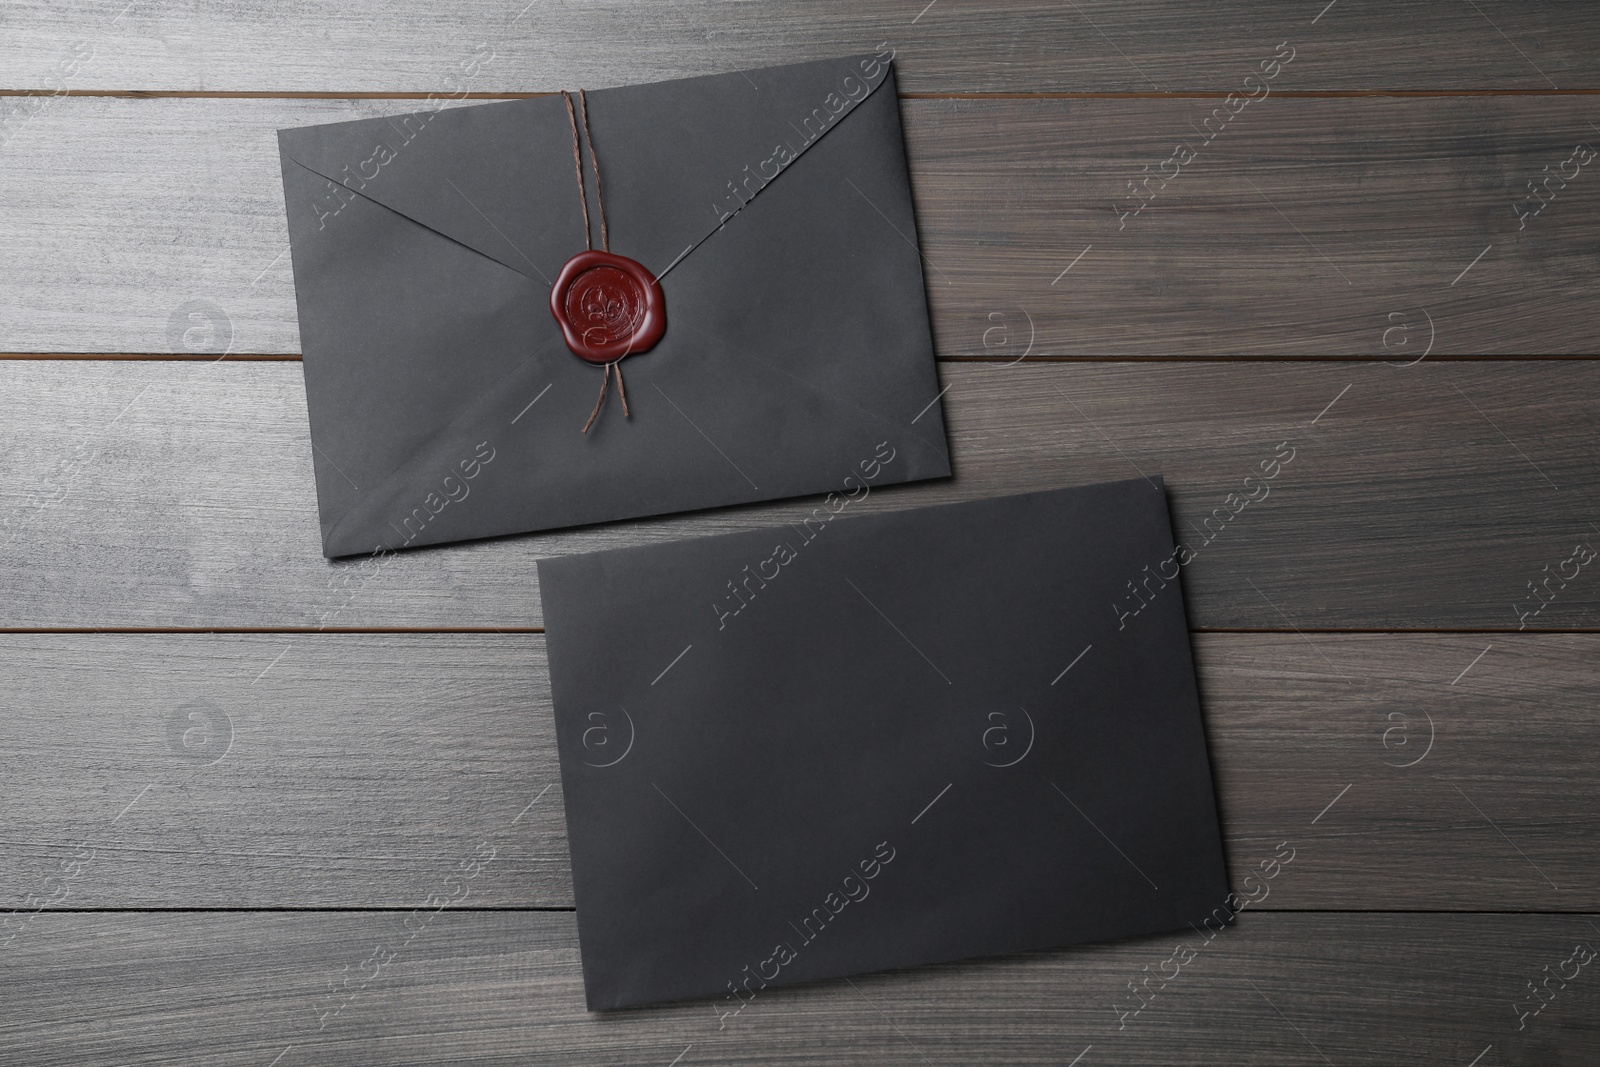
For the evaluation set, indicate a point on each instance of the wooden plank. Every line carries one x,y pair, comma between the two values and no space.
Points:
285,990
1385,228
1007,46
172,495
320,771
1378,228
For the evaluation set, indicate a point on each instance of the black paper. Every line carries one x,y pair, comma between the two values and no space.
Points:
444,404
991,706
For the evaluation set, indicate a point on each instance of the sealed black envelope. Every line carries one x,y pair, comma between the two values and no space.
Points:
856,744
593,306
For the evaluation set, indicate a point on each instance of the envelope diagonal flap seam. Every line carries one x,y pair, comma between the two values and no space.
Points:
467,172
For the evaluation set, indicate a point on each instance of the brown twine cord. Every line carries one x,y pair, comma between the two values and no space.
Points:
577,168
605,239
605,381
617,366
594,163
621,391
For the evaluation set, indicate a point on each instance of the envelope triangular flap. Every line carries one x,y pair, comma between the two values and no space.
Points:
498,178
677,158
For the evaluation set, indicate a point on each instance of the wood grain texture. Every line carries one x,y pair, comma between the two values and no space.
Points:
173,495
240,990
1385,228
1377,227
1006,46
344,771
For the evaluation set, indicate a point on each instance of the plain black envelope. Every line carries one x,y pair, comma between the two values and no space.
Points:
856,744
444,404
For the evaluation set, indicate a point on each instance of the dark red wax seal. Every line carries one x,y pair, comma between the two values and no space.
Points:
609,306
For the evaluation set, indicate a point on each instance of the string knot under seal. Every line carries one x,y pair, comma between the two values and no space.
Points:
608,306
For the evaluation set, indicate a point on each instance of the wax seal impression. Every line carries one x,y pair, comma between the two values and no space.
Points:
609,306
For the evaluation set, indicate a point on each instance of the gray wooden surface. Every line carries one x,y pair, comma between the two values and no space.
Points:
495,987
208,835
411,46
